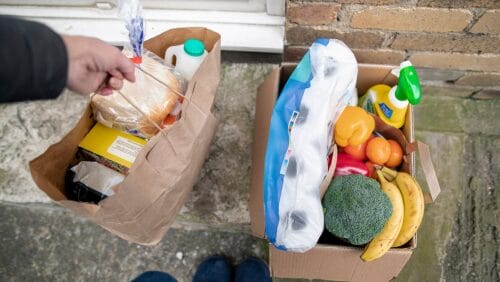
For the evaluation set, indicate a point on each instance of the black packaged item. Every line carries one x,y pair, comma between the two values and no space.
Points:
77,191
90,182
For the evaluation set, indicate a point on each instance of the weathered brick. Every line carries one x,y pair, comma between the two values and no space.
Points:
460,3
294,53
384,56
429,74
368,2
487,62
480,79
300,35
487,94
412,19
449,42
366,56
488,23
313,13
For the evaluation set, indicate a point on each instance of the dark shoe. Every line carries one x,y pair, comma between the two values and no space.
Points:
251,270
154,276
213,269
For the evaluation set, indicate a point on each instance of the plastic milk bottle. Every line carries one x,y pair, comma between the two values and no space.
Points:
188,57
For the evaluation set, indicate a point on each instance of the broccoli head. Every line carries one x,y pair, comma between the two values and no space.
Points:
356,209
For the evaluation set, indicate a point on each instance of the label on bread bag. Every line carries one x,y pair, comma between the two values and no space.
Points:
125,149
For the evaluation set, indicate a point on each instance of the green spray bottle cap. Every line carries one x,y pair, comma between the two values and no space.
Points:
408,84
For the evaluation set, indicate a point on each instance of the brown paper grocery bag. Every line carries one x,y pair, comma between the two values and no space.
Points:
146,203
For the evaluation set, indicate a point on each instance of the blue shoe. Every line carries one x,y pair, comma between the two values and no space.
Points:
213,269
154,276
251,270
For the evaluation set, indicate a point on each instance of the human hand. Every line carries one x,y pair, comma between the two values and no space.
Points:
95,66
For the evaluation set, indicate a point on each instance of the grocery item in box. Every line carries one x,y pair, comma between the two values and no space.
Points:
391,104
356,209
111,147
300,139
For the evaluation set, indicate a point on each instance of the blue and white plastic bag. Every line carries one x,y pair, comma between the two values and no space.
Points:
131,11
299,141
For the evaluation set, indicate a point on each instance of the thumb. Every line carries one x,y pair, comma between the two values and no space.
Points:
126,68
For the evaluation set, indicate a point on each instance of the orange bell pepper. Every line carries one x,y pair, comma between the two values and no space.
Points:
353,127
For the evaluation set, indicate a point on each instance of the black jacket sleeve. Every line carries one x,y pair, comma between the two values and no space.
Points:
34,61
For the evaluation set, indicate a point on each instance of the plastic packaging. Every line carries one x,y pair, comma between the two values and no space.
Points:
155,92
391,104
300,139
367,101
91,182
354,98
131,11
188,57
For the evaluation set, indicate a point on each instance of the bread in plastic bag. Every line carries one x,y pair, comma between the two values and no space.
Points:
155,92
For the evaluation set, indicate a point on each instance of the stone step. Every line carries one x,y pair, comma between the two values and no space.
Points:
450,114
42,242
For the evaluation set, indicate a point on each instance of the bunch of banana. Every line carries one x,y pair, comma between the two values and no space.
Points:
381,243
407,201
413,200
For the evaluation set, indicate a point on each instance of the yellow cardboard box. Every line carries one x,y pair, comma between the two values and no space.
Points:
111,147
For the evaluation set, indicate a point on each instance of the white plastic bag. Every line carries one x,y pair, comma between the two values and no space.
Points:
329,85
97,177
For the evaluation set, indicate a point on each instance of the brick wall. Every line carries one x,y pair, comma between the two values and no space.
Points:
453,43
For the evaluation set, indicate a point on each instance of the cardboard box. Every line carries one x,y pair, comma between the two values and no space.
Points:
329,260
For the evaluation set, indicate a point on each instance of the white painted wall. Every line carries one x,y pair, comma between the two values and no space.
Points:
255,31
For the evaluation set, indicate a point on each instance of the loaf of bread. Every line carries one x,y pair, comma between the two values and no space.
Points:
154,92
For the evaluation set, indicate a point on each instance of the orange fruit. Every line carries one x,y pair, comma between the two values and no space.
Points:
396,156
378,150
358,151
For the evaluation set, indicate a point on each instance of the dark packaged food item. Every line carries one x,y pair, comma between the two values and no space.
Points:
90,182
80,192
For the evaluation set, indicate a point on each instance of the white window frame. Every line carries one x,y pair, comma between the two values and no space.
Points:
251,31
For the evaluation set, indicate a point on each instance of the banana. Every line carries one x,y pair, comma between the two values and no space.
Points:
383,241
388,173
413,200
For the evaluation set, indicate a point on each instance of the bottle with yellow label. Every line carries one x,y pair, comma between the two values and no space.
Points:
391,104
